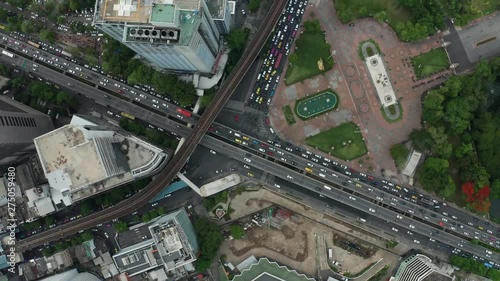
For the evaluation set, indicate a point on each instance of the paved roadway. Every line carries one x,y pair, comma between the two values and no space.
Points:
150,117
464,49
299,160
175,165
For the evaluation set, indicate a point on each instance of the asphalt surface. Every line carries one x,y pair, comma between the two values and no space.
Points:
175,165
463,218
295,156
228,132
276,56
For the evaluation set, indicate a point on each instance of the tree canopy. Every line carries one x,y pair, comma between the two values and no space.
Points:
209,240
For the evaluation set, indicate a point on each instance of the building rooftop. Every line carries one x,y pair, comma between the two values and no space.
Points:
83,158
381,80
219,185
266,270
144,11
163,13
216,8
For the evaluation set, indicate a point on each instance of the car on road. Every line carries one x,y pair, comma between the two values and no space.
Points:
411,226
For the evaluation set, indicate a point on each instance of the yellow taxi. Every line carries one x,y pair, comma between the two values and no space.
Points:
246,138
309,170
250,174
237,140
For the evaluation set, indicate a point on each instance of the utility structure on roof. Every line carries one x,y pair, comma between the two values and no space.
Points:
175,35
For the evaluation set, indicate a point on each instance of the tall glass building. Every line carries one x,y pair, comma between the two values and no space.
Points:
176,35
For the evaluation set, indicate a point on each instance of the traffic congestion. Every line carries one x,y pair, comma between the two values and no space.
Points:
276,56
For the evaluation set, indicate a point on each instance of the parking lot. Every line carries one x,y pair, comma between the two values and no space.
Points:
276,56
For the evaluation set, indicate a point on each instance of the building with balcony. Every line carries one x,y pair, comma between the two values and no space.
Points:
176,35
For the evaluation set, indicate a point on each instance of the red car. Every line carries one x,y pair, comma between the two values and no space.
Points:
270,153
120,91
267,121
236,118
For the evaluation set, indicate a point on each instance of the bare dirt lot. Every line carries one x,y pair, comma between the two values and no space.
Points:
295,244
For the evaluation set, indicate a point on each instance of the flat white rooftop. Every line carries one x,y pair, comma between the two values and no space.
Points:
67,149
219,185
75,158
381,80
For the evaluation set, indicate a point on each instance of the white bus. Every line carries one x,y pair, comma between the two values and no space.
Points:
10,55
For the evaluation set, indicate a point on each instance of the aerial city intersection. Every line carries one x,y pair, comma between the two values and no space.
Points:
239,140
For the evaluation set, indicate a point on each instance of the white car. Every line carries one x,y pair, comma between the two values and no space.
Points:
352,198
371,210
411,226
248,160
416,241
395,229
289,177
277,185
213,152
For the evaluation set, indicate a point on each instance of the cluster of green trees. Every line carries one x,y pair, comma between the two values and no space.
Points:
152,214
254,5
399,153
461,128
236,40
110,198
42,97
209,240
463,11
471,265
154,136
427,16
212,201
118,60
63,245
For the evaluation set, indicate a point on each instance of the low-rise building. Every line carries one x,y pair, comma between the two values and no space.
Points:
421,268
85,158
168,252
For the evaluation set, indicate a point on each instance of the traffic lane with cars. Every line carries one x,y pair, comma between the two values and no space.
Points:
142,95
101,99
343,176
347,198
276,56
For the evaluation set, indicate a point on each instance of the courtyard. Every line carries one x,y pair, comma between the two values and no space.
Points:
317,104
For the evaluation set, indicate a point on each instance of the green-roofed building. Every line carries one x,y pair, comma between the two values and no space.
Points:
266,270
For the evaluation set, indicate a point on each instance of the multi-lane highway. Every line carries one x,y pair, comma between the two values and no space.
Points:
385,197
175,165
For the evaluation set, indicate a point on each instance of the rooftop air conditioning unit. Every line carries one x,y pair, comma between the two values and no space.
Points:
169,34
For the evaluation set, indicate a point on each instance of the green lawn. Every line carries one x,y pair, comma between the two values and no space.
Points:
316,104
336,142
349,10
311,47
430,62
287,111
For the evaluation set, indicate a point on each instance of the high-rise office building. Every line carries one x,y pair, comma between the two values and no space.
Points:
221,13
176,35
19,125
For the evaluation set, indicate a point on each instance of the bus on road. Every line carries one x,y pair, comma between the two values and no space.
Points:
278,60
36,45
129,116
184,112
10,55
